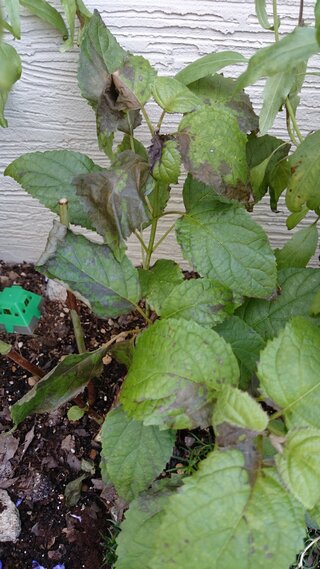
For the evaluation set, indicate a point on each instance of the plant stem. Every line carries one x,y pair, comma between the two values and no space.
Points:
148,121
22,362
151,242
301,20
170,212
161,119
293,119
164,236
142,313
289,129
139,237
275,20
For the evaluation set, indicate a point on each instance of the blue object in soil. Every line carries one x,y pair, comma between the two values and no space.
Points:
19,310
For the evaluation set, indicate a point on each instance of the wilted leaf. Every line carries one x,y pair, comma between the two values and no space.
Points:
208,65
72,492
134,455
278,177
289,372
114,198
174,97
122,352
222,241
47,13
295,293
48,176
133,82
175,374
60,385
304,184
159,281
167,168
298,251
239,408
218,514
139,149
91,271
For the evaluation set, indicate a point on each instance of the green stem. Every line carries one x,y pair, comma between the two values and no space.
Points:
164,236
161,119
170,212
275,20
151,242
142,313
148,121
289,129
293,119
139,237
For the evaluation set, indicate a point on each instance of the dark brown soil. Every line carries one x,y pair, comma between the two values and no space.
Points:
50,448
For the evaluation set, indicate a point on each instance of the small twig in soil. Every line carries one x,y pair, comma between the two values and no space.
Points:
22,362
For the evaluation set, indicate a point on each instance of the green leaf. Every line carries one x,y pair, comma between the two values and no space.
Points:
137,539
122,352
60,385
222,241
299,465
298,251
76,413
176,373
204,301
275,93
289,372
219,521
299,73
278,176
10,66
208,65
220,91
70,9
47,13
240,409
195,192
13,11
159,281
295,218
72,491
213,149
48,176
317,17
167,168
246,344
134,455
296,289
109,287
134,81
304,184
262,16
114,198
173,96
100,55
139,149
315,306
4,348
281,56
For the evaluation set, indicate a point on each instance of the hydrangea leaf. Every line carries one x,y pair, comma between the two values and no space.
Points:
60,385
167,167
218,521
159,281
246,344
48,177
289,372
295,294
298,251
108,286
137,539
222,241
133,81
201,300
294,218
134,455
299,465
240,409
176,373
173,96
213,149
304,184
208,65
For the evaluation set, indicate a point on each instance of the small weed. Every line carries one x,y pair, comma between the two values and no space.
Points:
110,545
309,558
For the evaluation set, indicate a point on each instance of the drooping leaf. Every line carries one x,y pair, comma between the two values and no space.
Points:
223,243
213,149
167,168
299,465
134,81
287,53
262,15
122,352
317,17
48,176
159,281
240,409
296,289
276,90
295,218
72,492
218,521
47,13
70,9
298,251
60,385
200,300
136,541
110,287
246,344
298,74
289,372
175,374
208,65
134,455
278,177
10,66
304,184
174,97
13,11
114,198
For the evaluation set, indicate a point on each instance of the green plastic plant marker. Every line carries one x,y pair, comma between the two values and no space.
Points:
19,310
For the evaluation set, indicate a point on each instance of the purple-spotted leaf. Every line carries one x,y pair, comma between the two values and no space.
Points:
108,286
159,281
60,385
174,97
114,198
304,183
133,82
167,168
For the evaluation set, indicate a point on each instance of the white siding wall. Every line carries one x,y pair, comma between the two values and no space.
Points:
45,110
